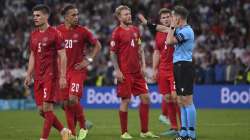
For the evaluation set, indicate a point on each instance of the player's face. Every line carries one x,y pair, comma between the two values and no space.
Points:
176,19
125,17
39,18
72,17
165,19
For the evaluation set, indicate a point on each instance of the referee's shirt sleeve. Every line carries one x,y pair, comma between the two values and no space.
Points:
182,35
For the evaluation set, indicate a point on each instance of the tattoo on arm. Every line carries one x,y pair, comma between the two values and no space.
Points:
114,60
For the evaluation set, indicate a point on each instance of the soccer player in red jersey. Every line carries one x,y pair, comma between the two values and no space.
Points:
46,44
75,39
128,59
163,72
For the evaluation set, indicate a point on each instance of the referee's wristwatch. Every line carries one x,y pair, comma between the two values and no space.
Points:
172,28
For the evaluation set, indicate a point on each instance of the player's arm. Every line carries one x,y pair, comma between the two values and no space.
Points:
118,73
96,49
153,27
173,38
142,59
156,61
30,70
114,57
63,65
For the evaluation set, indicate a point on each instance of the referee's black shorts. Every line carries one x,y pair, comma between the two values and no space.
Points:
184,77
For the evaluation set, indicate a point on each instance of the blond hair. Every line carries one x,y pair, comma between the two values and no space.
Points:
120,8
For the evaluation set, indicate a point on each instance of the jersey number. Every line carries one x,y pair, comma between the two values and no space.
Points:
132,43
39,47
165,46
44,92
68,43
75,87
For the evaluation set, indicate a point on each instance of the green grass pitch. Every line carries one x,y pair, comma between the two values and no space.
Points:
212,125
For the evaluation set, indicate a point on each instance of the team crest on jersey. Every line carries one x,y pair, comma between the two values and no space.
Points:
45,39
112,43
135,35
75,35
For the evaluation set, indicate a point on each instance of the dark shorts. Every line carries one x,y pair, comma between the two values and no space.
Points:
184,77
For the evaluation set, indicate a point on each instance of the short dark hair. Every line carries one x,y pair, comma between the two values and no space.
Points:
43,8
181,11
67,8
164,11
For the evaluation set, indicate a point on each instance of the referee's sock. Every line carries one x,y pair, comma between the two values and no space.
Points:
183,131
191,120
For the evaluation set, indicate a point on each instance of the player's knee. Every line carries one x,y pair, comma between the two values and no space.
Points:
167,97
145,99
41,113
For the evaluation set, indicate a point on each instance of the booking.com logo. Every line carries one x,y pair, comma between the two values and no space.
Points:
234,97
110,97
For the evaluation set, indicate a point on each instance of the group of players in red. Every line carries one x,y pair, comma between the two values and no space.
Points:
58,63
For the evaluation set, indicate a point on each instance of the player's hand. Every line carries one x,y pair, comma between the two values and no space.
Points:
119,76
174,97
142,18
27,80
155,74
62,82
81,65
173,21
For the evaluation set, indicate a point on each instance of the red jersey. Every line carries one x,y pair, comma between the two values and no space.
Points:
75,42
166,53
126,44
44,45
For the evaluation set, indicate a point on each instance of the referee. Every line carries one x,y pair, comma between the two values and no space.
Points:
181,35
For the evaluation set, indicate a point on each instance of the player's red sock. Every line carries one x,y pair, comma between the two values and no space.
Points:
123,121
69,112
164,109
79,115
172,114
48,121
144,112
57,125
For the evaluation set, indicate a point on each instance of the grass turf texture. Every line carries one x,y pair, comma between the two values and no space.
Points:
212,125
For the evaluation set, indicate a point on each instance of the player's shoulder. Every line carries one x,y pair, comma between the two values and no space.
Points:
60,27
133,27
117,29
81,28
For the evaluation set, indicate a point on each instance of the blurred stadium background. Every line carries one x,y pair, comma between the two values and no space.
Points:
221,57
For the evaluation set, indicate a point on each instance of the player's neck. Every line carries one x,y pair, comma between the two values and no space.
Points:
183,23
43,27
124,26
68,26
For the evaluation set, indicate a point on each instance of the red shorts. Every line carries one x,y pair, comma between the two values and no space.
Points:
166,83
133,84
45,91
75,82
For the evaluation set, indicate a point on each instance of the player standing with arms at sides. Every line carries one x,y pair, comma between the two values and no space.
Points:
128,59
181,35
46,44
75,39
164,72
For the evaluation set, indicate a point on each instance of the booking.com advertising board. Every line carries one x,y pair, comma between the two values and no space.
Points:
205,97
